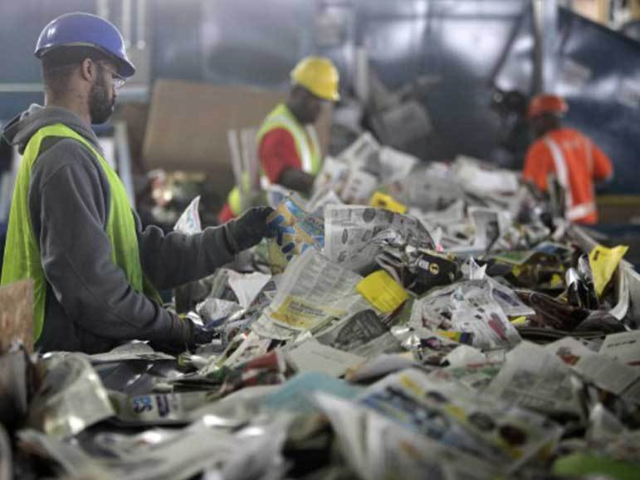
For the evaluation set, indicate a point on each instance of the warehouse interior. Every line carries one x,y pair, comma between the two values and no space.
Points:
320,239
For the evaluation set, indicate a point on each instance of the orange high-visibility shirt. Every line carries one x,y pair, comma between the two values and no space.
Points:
570,154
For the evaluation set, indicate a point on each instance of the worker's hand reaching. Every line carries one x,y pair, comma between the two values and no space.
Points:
199,335
249,228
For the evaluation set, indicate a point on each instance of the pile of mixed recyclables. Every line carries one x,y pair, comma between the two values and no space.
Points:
410,320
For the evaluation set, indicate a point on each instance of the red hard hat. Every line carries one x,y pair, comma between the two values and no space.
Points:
546,103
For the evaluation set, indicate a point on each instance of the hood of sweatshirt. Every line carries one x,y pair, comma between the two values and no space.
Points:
19,131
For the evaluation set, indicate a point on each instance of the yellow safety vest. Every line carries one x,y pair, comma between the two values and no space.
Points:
22,251
306,142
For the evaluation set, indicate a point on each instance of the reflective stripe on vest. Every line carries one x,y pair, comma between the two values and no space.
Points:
572,212
22,253
315,146
581,211
305,140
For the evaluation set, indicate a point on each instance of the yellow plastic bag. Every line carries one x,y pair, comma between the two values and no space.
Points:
387,201
604,262
382,291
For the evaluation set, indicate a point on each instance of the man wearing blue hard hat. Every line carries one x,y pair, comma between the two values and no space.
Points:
71,228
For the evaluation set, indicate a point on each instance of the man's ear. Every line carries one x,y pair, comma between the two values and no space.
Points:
88,70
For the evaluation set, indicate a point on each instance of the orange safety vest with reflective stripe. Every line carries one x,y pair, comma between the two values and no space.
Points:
306,142
576,162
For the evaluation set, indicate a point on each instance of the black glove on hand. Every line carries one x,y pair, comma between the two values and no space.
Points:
249,228
199,336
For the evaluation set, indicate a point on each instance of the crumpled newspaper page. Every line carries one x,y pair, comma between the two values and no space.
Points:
321,199
624,347
481,179
466,307
215,311
194,449
428,347
312,356
359,187
490,225
353,331
379,448
296,231
534,378
189,221
314,291
429,187
361,152
331,176
71,398
129,351
395,165
480,425
352,234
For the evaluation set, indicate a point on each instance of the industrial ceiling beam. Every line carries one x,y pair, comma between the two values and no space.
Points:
545,28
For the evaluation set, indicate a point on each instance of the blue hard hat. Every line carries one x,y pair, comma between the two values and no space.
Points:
86,30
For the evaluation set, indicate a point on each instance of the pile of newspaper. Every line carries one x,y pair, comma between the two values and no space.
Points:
408,321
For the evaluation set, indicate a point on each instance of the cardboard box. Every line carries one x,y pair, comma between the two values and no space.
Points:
16,315
135,115
188,124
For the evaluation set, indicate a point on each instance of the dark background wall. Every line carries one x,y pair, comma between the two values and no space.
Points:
467,45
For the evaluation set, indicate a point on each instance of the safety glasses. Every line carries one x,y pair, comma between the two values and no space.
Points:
117,79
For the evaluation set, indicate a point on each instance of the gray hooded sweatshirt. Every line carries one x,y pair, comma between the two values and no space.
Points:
90,306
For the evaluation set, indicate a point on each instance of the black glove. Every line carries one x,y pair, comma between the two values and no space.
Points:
249,228
199,336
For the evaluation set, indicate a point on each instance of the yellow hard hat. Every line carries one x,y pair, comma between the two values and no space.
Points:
319,76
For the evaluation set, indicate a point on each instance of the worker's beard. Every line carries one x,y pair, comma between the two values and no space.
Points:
100,105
